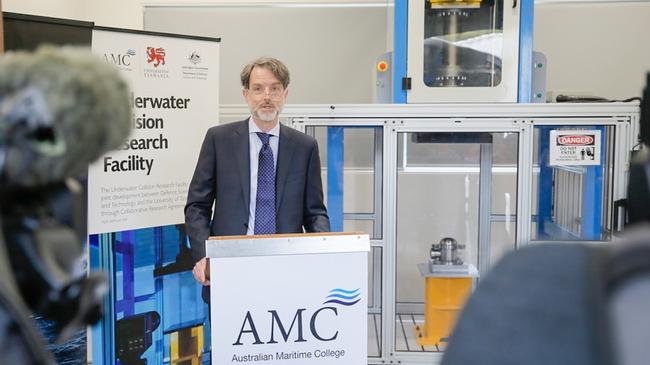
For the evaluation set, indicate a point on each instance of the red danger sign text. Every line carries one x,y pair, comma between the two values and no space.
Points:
576,140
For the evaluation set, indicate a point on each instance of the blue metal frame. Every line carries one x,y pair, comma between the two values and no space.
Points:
591,220
545,186
592,196
592,184
335,155
400,44
526,29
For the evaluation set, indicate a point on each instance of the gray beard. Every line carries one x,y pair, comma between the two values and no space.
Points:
267,116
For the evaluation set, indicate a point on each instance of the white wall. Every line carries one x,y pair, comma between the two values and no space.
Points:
331,51
596,48
68,9
119,13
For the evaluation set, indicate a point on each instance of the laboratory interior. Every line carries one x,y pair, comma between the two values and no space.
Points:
493,151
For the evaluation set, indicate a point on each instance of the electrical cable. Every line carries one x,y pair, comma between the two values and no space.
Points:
591,99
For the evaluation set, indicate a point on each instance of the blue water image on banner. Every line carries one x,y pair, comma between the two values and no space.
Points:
154,309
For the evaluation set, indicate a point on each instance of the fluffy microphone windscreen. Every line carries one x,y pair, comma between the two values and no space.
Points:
60,109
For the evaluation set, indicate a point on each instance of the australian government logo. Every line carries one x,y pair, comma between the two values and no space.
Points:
156,61
319,327
122,60
193,71
194,58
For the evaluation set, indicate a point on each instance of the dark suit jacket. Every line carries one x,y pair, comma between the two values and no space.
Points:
222,177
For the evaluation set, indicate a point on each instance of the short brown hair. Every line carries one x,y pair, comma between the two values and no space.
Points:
274,65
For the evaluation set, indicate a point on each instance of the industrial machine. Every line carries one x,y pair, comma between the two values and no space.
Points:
473,166
455,170
463,51
448,283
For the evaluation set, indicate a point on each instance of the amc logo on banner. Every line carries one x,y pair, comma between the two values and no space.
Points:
304,323
119,59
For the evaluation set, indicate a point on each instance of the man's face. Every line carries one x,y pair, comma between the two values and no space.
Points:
265,97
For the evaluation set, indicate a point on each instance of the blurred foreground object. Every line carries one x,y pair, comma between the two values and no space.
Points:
60,109
560,304
638,190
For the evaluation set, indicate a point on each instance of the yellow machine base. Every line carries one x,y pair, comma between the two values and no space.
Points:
444,298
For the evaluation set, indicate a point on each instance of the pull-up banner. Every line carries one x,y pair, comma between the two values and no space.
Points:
174,84
136,196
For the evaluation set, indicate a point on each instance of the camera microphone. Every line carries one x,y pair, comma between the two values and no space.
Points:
60,109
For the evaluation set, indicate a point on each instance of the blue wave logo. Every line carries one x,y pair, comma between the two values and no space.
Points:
130,52
343,297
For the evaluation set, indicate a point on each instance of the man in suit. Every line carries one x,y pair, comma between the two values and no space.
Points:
261,177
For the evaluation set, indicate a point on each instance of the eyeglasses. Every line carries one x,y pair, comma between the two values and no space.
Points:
274,91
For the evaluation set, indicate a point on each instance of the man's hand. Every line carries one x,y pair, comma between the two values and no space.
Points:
201,271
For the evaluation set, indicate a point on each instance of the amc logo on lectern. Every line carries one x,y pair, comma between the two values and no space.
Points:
303,326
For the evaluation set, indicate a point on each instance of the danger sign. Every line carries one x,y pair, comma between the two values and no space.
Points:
575,148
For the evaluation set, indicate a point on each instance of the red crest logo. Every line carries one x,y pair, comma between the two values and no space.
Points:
156,55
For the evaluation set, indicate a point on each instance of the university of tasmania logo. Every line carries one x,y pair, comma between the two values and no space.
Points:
156,56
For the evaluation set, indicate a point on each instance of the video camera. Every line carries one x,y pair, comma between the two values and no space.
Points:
60,109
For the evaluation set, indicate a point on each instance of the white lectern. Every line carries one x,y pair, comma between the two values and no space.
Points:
289,299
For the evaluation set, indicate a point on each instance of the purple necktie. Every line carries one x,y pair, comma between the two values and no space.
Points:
265,201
